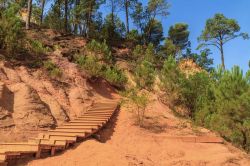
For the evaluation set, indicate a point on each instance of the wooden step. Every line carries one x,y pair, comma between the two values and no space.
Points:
99,111
92,118
83,124
2,157
58,133
97,114
25,146
89,120
3,163
66,138
48,142
103,104
79,127
73,130
102,109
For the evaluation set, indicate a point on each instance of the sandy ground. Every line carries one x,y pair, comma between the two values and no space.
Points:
125,144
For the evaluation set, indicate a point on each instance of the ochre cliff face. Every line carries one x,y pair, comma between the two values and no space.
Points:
32,100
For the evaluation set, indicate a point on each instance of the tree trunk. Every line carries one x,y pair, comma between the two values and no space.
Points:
126,4
66,15
42,10
29,14
222,56
89,18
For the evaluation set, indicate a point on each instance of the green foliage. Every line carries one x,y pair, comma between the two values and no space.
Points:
112,74
113,29
171,76
11,33
37,47
153,32
145,75
169,49
141,53
115,76
133,37
101,48
179,35
232,104
203,60
90,64
219,100
53,69
218,31
141,102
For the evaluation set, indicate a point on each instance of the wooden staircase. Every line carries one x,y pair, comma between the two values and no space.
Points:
63,136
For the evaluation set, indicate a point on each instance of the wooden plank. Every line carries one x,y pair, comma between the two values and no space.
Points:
3,163
78,127
70,130
92,118
89,120
2,157
83,124
58,133
63,138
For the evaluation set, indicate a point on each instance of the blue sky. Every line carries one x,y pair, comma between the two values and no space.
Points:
196,12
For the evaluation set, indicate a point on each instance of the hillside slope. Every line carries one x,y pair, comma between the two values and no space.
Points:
126,144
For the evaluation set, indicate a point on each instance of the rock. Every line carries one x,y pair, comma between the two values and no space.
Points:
6,106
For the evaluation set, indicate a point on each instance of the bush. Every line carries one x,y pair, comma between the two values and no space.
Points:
230,114
100,49
11,34
140,102
145,75
115,76
53,69
37,47
133,37
90,64
218,100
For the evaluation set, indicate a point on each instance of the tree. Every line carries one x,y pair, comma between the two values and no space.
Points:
138,16
153,32
127,5
169,49
218,31
42,11
145,75
179,34
66,5
113,33
157,8
29,14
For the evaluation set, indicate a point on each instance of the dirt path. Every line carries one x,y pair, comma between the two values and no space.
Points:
125,144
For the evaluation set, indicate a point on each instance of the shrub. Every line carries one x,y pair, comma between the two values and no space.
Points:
115,76
133,37
53,69
138,53
90,64
37,47
145,75
218,100
11,34
102,49
140,102
171,76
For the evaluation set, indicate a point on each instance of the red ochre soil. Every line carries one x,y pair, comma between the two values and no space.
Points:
125,144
